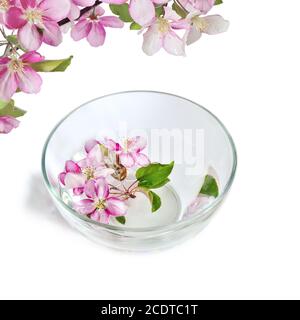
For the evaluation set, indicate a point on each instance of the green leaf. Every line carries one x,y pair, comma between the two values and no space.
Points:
154,176
210,187
121,219
12,39
52,65
159,11
218,2
179,10
3,104
155,201
135,26
11,110
121,10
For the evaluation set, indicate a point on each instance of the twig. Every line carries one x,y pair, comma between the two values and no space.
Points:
82,12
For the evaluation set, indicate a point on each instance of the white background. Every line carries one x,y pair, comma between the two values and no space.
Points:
249,78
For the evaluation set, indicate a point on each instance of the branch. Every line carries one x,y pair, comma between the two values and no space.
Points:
82,12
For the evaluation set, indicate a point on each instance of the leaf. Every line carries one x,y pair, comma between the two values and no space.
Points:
179,10
159,11
11,110
121,10
218,2
52,65
210,187
135,26
3,104
121,219
155,201
154,176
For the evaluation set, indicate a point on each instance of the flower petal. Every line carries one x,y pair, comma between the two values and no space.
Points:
102,188
29,37
55,9
8,123
52,34
126,159
90,145
112,22
95,157
136,144
29,81
72,166
78,191
96,36
115,207
85,206
62,177
192,36
173,44
142,11
215,24
74,180
153,41
14,18
141,159
81,30
90,189
8,84
32,57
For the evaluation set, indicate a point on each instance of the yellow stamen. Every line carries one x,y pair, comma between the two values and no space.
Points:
163,25
4,5
89,172
16,65
33,15
100,205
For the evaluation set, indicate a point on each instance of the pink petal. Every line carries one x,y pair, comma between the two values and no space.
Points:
32,57
52,34
81,30
72,166
74,12
115,207
102,188
84,3
95,157
90,189
29,81
112,145
14,18
29,37
95,216
126,159
103,172
8,123
78,191
55,9
8,84
173,44
192,36
137,144
141,159
96,36
112,22
171,14
215,24
62,177
90,145
153,41
28,3
85,206
142,11
74,180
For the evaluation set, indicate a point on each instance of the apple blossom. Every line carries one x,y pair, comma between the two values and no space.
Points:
8,123
17,73
92,26
99,204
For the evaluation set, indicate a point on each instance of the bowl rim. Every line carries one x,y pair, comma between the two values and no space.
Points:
201,215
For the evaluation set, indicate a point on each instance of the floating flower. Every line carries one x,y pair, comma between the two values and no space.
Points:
17,73
77,174
8,123
130,152
160,34
211,25
36,21
200,5
99,205
92,26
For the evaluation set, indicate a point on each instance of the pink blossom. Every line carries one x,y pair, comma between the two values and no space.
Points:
211,25
77,174
92,26
99,205
17,73
8,123
130,153
200,5
36,21
4,6
160,34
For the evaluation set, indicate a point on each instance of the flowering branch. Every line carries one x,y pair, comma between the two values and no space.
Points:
165,24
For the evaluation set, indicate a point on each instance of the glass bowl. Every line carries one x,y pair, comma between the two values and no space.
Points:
177,130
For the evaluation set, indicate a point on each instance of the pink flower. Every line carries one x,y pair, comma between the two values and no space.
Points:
4,6
200,5
211,25
100,206
17,73
36,21
77,174
143,11
75,11
161,34
92,26
7,123
130,153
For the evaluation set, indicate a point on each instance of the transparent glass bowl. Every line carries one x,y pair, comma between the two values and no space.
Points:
176,129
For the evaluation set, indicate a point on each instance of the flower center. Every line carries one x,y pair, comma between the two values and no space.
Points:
163,25
33,16
89,172
200,24
100,204
16,65
4,5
